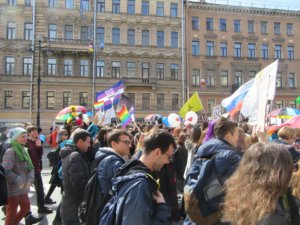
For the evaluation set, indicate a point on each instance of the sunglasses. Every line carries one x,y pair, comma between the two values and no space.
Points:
64,134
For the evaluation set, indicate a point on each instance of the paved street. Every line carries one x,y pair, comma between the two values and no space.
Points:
56,196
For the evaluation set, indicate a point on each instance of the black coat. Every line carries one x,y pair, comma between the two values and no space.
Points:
3,187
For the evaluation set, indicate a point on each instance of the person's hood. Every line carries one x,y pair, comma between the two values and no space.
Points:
104,152
67,149
130,172
213,147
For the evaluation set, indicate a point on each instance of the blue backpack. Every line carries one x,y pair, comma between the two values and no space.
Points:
203,192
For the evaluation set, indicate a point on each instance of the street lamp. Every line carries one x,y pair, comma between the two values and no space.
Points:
40,47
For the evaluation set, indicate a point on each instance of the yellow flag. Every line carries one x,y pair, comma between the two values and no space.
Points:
193,104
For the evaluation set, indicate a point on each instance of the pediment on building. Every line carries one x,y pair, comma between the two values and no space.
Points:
237,37
210,35
252,38
278,39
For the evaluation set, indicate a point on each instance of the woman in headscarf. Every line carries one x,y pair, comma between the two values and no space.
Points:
19,173
257,193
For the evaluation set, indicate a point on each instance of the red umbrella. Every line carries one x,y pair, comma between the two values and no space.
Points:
293,122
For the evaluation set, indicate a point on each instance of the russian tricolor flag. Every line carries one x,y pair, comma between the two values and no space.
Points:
234,103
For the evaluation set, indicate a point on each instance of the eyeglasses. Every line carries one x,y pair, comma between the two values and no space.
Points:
126,142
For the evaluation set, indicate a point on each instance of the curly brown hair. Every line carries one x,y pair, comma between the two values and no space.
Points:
261,178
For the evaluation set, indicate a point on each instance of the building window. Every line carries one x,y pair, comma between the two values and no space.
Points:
277,28
68,67
196,77
25,99
145,8
289,29
84,33
210,48
69,4
210,104
264,27
52,32
131,99
50,100
12,2
8,99
279,83
131,7
160,9
292,104
116,36
223,25
131,37
237,49
278,51
116,6
195,48
11,30
174,9
28,33
174,39
292,80
160,67
238,78
85,5
252,74
130,69
67,99
237,26
28,3
51,67
174,71
224,78
210,78
279,104
52,3
223,49
145,101
84,68
160,39
160,101
9,65
83,99
145,70
145,38
264,51
175,102
195,23
68,32
209,24
100,35
291,52
100,68
250,26
27,66
251,50
100,6
115,68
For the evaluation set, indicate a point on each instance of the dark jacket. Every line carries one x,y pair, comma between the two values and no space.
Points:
36,154
109,163
179,161
75,174
294,153
227,159
3,187
133,203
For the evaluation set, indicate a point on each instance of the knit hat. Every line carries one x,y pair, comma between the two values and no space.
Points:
16,132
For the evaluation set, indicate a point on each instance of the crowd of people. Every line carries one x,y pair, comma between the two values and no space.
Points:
142,171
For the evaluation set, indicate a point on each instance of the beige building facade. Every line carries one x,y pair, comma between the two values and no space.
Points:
227,45
136,41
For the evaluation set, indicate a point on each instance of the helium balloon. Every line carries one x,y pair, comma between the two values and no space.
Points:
165,121
174,120
191,117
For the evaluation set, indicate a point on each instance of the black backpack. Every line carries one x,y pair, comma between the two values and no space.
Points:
94,200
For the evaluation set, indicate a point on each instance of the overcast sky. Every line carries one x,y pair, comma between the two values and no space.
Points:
280,4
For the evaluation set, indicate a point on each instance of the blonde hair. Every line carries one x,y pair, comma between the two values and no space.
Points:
261,178
295,183
286,132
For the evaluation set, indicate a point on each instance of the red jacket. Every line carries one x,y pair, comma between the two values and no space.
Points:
36,154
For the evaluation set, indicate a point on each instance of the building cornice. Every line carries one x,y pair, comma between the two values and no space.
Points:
242,9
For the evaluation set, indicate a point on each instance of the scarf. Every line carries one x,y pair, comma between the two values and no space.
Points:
22,153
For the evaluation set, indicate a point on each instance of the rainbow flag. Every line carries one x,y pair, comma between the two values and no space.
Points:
99,105
124,116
